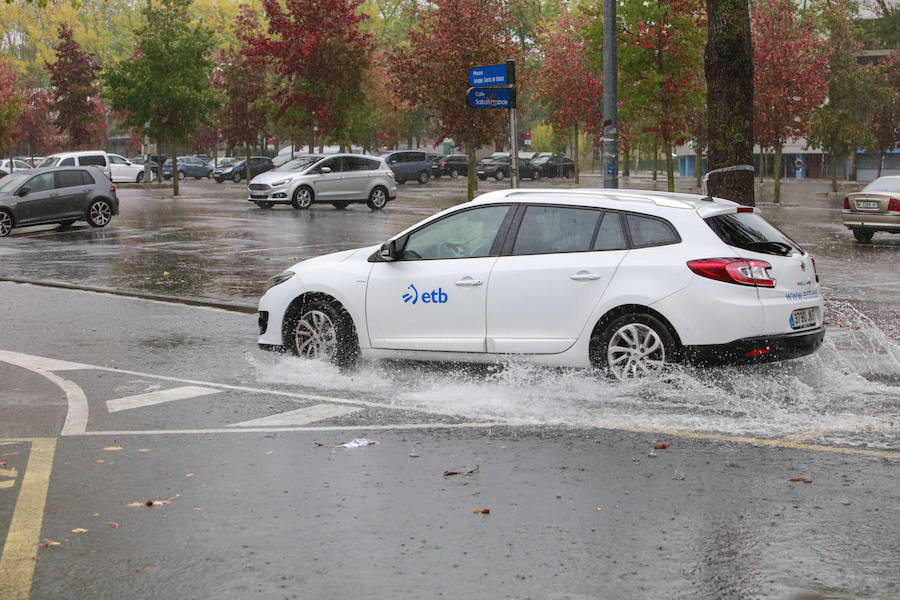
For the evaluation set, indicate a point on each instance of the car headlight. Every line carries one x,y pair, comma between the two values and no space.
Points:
281,182
280,278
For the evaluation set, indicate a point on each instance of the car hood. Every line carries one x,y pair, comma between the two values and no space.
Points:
333,258
270,176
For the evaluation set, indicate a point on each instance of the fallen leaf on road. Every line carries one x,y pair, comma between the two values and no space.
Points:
482,511
357,443
802,479
48,544
134,504
112,524
660,446
188,474
79,530
469,472
112,448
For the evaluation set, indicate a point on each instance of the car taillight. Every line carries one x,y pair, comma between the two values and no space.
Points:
815,270
112,187
444,164
894,204
745,209
390,174
846,203
734,270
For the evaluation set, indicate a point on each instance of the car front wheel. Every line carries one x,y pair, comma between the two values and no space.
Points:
99,213
6,223
377,198
303,197
323,330
454,174
424,176
499,175
863,236
180,175
633,345
140,177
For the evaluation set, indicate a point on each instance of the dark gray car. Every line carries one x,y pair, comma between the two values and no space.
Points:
56,195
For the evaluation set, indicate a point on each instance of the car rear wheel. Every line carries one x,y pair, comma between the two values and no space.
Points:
633,345
180,175
323,330
499,175
454,174
265,204
424,176
303,197
6,223
340,204
140,177
863,236
99,213
236,177
377,198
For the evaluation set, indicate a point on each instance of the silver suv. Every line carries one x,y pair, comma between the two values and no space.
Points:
56,195
338,178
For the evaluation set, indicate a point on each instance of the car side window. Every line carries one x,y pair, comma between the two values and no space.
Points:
41,183
649,231
67,162
97,160
611,235
550,229
117,160
416,157
358,163
86,178
66,179
465,234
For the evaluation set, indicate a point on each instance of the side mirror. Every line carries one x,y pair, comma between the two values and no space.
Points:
23,191
388,251
325,170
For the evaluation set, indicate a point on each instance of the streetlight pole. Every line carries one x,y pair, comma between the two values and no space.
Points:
610,96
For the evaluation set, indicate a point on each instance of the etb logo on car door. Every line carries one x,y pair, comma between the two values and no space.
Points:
412,295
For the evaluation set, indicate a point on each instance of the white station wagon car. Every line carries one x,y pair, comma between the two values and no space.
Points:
622,280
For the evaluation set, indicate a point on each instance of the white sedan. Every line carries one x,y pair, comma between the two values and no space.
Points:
622,280
125,171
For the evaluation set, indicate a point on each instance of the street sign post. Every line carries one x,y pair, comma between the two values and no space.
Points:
494,86
488,75
491,97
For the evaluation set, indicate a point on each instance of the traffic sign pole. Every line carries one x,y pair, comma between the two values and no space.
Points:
513,134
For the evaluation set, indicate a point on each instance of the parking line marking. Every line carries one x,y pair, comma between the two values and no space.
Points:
17,559
301,416
151,398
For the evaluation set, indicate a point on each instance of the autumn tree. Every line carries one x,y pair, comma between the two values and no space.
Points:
789,76
75,89
10,104
884,108
451,37
568,86
319,63
728,66
165,89
35,130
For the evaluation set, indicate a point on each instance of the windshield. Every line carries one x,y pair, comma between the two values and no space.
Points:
540,160
9,183
750,231
49,161
884,184
298,163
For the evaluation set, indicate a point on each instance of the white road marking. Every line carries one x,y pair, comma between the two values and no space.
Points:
151,398
39,363
301,416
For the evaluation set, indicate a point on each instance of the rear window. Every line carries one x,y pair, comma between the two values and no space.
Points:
749,231
66,179
650,231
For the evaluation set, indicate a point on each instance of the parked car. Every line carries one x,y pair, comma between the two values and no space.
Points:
493,166
237,170
17,164
85,158
529,170
140,160
188,166
125,171
410,164
626,281
556,165
874,208
56,195
340,179
452,165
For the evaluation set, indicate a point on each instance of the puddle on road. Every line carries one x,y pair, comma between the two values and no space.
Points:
847,393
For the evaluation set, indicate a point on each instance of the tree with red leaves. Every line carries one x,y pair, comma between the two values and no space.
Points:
10,104
319,57
790,76
76,92
451,37
35,129
567,85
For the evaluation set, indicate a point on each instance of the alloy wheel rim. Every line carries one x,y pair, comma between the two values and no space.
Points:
304,199
635,350
378,198
100,213
5,224
316,336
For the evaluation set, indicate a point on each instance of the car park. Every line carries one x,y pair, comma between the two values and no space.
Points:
237,170
874,208
410,165
340,179
555,165
56,195
84,158
188,166
625,281
452,165
125,171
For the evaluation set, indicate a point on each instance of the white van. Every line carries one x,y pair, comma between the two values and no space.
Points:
95,158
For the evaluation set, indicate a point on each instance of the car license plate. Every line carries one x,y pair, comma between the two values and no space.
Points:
867,204
258,194
803,318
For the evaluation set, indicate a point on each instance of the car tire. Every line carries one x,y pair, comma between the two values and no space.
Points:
423,177
633,345
340,204
378,197
324,330
236,178
454,174
863,236
265,204
498,176
140,177
302,198
6,223
99,213
180,175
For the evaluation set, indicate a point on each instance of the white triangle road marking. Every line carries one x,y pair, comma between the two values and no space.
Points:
301,416
151,398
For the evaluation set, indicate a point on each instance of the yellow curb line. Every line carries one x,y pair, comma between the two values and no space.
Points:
19,554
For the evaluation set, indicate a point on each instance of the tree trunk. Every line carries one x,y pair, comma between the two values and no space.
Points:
880,163
834,166
698,165
655,156
670,166
729,100
174,171
575,158
778,149
247,165
851,176
626,159
472,179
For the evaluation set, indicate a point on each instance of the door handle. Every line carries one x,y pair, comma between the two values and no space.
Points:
468,282
585,276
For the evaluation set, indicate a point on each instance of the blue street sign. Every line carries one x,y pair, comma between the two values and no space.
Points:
488,75
490,98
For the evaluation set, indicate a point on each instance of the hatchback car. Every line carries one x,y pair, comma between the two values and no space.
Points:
338,178
556,165
56,195
623,280
237,170
452,165
82,158
874,208
410,165
188,166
